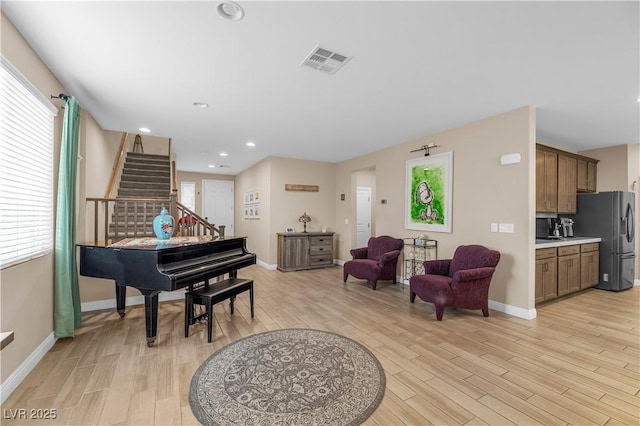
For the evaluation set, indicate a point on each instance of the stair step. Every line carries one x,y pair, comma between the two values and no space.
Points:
147,156
148,177
144,166
158,186
142,193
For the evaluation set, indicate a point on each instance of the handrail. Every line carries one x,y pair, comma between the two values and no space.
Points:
188,217
174,177
126,222
116,165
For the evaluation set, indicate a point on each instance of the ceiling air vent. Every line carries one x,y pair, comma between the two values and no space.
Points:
325,60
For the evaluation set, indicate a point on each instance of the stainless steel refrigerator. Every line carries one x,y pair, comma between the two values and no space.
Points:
610,216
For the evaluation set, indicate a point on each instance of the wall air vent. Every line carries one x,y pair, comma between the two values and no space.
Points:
325,60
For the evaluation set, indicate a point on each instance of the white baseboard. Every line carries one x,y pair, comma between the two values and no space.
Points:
8,386
265,265
527,314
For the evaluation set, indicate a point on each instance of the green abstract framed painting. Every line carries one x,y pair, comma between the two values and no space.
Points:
429,193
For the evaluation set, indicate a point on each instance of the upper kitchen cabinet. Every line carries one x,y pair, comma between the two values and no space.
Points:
560,175
546,181
567,184
587,174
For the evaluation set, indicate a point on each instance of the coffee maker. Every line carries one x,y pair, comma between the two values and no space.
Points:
555,227
567,227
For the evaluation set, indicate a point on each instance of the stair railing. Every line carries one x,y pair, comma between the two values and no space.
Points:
115,172
191,224
126,223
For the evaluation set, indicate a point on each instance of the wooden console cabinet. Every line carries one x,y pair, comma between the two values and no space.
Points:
304,250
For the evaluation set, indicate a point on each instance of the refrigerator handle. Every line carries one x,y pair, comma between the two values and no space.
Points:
630,225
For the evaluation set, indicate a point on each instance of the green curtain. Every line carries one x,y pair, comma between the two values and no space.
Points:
67,315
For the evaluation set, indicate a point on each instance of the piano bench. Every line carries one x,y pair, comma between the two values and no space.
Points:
209,295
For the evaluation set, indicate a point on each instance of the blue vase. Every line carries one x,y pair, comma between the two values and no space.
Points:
163,225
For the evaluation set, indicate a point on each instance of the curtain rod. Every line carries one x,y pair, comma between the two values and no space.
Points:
62,96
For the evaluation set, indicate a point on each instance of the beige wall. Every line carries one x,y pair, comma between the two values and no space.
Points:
483,192
257,232
280,208
151,144
612,168
26,290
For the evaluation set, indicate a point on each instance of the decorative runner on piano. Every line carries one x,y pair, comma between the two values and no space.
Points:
153,242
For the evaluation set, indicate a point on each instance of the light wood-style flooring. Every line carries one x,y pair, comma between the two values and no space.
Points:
578,363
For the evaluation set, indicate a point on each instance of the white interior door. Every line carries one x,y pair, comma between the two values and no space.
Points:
217,203
363,216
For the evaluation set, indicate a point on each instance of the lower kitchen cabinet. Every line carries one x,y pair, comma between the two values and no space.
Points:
589,265
565,270
568,269
546,274
304,250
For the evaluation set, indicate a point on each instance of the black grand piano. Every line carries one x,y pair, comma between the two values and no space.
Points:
152,266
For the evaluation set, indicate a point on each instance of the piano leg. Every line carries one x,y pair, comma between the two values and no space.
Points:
121,297
151,314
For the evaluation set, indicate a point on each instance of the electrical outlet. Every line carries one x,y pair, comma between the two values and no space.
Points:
605,277
346,221
494,227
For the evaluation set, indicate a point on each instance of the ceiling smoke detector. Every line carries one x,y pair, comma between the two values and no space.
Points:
325,60
230,10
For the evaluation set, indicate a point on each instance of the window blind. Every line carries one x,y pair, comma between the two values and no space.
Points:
26,169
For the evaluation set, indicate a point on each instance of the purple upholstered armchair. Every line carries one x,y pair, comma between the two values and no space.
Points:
461,282
377,261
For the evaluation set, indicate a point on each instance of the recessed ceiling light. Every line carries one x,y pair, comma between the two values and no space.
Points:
251,144
223,154
144,130
211,166
201,104
230,11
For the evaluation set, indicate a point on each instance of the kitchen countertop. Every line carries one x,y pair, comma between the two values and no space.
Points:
566,242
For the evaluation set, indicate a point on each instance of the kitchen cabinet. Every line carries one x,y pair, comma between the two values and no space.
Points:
587,175
546,275
567,184
546,181
589,265
304,250
560,175
568,269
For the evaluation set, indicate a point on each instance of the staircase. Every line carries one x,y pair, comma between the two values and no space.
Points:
146,177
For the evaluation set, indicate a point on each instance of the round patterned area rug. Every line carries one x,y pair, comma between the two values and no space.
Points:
288,377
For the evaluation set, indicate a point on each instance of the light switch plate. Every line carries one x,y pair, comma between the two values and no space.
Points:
506,228
494,227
